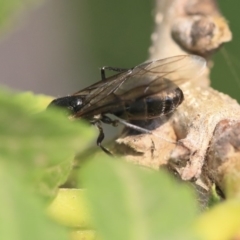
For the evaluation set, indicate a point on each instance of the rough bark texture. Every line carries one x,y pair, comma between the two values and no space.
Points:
205,126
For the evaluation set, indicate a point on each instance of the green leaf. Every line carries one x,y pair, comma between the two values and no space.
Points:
84,235
39,146
132,203
21,214
31,102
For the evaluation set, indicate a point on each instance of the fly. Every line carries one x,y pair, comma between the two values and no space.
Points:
146,91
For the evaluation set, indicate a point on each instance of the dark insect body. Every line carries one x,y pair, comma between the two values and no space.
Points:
146,91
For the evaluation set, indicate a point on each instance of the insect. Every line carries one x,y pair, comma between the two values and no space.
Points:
146,91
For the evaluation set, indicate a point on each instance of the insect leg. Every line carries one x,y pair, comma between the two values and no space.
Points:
108,120
143,130
115,69
100,139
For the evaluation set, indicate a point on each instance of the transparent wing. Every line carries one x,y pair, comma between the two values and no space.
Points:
143,80
102,88
177,69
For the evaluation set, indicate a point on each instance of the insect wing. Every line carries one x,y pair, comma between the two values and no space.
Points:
102,89
144,80
151,75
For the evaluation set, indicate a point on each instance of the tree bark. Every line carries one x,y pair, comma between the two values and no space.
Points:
206,124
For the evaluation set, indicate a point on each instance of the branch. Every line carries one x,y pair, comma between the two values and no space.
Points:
200,125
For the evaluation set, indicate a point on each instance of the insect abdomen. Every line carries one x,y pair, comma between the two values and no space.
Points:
163,104
152,106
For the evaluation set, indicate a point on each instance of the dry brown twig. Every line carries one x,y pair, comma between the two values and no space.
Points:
205,124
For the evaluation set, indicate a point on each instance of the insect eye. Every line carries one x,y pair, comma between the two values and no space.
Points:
76,102
71,103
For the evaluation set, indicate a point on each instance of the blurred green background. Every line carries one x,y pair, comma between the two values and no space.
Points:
226,72
57,47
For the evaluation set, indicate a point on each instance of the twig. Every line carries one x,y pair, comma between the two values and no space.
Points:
199,124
